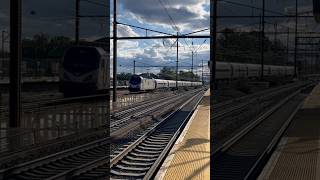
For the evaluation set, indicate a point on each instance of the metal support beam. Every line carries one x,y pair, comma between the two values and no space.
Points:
192,62
177,62
213,42
134,66
275,32
192,53
163,37
114,98
202,71
15,63
268,16
212,65
296,41
2,43
262,39
288,38
77,23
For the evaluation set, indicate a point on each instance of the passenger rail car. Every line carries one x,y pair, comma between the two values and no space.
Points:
84,71
229,71
138,84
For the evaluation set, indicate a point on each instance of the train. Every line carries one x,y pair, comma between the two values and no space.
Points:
138,84
230,71
84,71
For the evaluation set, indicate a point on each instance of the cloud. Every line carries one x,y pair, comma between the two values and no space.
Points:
185,14
126,31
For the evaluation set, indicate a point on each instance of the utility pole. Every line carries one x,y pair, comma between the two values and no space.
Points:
77,22
114,98
2,52
134,66
262,40
2,44
288,38
192,60
275,32
260,24
177,62
15,63
296,41
202,71
252,10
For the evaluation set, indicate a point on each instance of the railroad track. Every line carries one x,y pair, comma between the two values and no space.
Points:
224,109
141,158
122,118
242,156
69,141
260,94
62,164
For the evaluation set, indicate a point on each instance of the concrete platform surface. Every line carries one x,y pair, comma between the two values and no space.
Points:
190,156
297,156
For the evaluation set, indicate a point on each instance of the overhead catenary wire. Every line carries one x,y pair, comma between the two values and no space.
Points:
147,29
96,3
173,24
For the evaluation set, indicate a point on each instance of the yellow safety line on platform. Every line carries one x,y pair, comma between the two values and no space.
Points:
190,157
297,156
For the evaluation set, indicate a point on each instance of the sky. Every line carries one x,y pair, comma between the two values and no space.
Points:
56,17
166,16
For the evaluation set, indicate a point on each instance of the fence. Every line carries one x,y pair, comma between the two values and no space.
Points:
42,122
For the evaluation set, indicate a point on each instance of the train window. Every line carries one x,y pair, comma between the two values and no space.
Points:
135,80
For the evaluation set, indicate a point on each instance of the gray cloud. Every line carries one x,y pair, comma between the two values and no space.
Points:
188,14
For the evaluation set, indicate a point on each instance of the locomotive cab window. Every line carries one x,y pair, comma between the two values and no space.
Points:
81,60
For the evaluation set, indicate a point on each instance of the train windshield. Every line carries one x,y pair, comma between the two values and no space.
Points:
80,60
135,80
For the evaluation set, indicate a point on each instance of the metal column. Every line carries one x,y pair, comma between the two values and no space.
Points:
262,40
114,98
15,63
296,41
213,42
134,66
177,62
77,23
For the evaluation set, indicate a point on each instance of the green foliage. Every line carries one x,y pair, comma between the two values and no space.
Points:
170,74
124,76
149,75
167,73
244,47
42,46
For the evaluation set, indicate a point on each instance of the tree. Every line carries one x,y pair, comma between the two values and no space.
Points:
42,46
244,47
124,76
188,76
167,73
170,74
149,75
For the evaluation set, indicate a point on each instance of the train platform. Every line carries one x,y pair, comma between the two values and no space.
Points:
190,156
297,156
